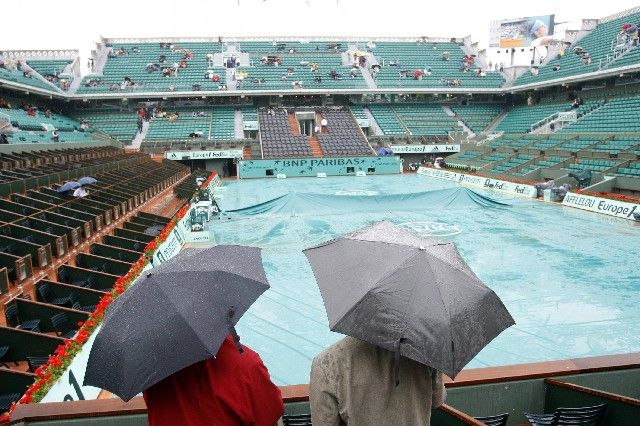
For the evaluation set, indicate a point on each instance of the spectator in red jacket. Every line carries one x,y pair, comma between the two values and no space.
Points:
231,389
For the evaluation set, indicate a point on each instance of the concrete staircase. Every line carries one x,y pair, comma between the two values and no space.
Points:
314,144
293,122
247,152
373,124
137,140
492,126
238,125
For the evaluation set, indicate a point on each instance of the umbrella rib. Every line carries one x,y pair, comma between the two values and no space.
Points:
446,309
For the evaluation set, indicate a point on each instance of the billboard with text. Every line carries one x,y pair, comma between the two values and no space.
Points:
521,32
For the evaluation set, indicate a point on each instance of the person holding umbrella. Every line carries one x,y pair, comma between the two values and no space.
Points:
411,308
172,336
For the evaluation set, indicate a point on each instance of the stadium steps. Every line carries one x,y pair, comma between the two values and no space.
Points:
373,124
371,83
238,124
246,152
293,122
137,140
316,150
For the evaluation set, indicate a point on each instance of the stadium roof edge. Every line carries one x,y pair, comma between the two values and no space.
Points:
31,89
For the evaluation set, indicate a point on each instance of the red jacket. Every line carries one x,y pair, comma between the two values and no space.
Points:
231,389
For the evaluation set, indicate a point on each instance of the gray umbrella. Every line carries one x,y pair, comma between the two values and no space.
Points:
178,314
415,296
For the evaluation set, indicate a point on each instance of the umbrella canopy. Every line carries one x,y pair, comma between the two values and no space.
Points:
176,315
87,180
413,295
69,186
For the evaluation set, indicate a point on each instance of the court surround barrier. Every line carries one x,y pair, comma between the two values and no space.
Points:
602,205
480,181
306,167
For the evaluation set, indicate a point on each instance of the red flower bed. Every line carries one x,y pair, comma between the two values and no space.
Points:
48,374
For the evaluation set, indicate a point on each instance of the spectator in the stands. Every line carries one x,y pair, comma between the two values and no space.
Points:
354,72
323,125
534,71
139,124
151,67
445,56
317,79
501,67
586,58
3,139
352,383
55,136
428,71
556,67
195,134
4,103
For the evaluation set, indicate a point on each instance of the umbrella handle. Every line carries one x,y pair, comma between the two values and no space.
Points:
232,330
396,360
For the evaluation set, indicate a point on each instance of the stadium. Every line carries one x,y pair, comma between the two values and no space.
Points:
524,153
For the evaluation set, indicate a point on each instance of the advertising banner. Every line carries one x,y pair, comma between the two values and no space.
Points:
203,155
481,181
424,149
521,32
600,205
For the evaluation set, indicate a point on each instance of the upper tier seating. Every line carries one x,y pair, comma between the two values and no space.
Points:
597,43
133,65
271,77
10,70
51,70
411,56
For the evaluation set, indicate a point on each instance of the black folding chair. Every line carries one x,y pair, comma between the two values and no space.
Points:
62,326
11,314
498,420
6,399
583,416
36,361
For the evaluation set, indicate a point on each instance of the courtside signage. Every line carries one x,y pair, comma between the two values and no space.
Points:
69,386
481,181
203,155
424,149
606,206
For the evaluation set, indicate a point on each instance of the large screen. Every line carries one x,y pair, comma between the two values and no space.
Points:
521,32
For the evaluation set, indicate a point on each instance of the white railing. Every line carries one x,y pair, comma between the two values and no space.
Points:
558,117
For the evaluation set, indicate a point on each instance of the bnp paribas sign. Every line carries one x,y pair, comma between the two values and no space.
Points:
203,155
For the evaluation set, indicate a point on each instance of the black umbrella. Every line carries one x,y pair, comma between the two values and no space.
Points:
412,295
178,314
